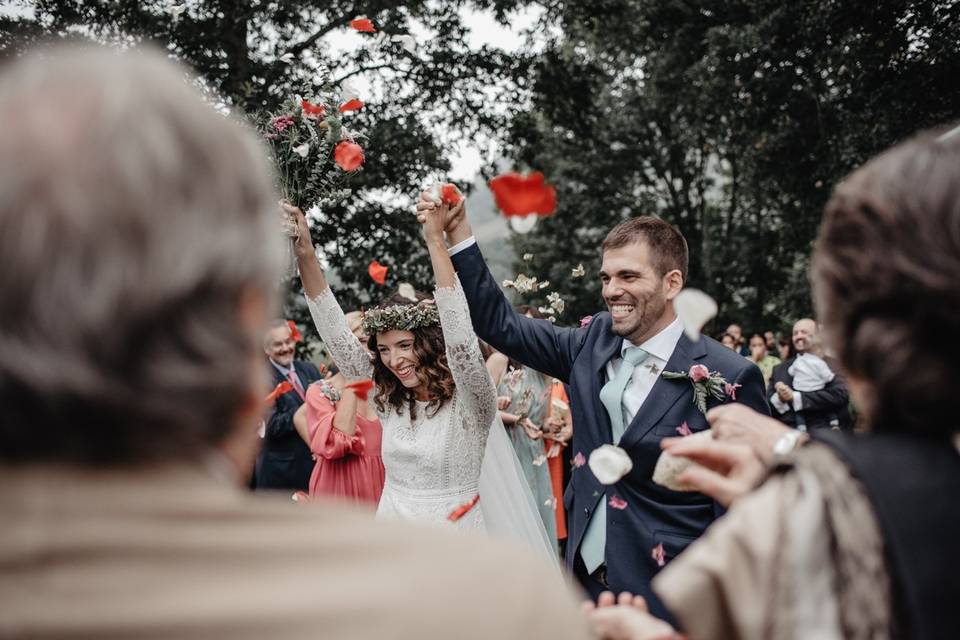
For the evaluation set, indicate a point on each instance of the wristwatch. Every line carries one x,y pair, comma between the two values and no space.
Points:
786,443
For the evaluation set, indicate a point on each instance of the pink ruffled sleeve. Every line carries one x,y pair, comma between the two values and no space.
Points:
326,440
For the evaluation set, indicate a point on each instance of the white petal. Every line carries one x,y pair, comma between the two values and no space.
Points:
407,291
609,463
313,213
286,58
302,150
375,43
523,224
694,308
408,43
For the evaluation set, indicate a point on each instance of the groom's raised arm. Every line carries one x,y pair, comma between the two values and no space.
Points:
536,343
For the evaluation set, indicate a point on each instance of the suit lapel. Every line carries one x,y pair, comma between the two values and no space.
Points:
665,393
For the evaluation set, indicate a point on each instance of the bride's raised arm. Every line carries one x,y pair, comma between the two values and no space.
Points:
474,385
351,357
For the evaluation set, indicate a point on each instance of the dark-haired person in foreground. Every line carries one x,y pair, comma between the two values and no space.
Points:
140,251
619,535
851,536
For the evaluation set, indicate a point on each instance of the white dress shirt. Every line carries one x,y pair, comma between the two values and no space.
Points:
660,347
460,246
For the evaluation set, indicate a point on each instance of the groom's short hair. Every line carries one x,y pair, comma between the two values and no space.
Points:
668,247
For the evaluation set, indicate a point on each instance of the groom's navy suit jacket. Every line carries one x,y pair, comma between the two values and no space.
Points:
653,514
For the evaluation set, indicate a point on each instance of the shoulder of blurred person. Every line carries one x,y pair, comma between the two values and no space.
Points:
175,552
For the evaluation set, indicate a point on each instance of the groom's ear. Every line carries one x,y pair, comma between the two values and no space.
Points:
672,283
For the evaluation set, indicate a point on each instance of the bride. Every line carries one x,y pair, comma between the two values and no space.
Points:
446,454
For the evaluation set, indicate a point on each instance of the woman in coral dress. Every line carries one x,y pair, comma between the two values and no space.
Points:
344,433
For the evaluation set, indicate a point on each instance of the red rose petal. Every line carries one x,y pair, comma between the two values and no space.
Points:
617,502
518,195
378,272
362,24
295,334
463,509
450,194
279,390
360,388
348,155
351,105
313,109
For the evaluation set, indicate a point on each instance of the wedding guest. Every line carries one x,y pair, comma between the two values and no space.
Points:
140,256
785,348
853,536
524,401
728,341
820,405
771,340
344,435
285,461
736,332
760,357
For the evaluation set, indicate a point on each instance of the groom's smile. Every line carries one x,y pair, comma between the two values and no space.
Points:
634,292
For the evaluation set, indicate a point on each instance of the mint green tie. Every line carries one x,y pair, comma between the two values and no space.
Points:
593,548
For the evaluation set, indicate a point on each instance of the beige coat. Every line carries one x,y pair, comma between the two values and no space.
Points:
175,553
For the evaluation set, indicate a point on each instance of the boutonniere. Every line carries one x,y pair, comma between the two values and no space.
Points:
706,384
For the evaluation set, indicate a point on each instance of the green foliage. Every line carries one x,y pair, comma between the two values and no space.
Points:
731,119
255,55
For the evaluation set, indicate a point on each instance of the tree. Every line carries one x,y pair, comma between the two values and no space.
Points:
254,55
731,120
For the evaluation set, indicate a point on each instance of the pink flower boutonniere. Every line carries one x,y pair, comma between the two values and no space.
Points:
706,384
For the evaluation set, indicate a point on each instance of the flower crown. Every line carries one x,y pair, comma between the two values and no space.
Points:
402,317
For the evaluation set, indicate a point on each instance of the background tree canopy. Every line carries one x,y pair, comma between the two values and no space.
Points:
732,119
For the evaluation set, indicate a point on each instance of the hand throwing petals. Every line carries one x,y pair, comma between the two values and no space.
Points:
695,309
377,272
609,463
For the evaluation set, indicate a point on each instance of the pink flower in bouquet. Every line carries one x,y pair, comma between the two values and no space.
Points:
699,373
282,123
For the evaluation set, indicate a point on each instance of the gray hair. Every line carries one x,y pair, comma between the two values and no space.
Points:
134,221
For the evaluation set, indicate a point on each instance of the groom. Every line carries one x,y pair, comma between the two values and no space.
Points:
620,535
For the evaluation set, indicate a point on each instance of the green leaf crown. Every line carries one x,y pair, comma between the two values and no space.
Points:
400,317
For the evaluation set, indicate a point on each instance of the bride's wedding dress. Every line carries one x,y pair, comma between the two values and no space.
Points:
437,463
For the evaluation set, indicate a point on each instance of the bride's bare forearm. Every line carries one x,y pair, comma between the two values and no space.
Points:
311,275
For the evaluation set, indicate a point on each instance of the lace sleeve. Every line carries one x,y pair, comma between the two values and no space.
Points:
350,356
474,385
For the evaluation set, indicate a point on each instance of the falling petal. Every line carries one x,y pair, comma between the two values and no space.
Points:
362,24
695,309
302,150
523,224
407,291
279,390
313,213
527,257
450,194
658,555
684,429
407,42
463,509
348,155
295,334
731,389
579,460
577,272
354,104
616,502
360,388
286,58
378,272
518,195
609,463
539,460
585,320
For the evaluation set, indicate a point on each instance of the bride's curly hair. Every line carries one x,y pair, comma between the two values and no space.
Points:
431,352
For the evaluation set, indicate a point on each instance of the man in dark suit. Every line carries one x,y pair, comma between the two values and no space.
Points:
619,535
285,461
814,408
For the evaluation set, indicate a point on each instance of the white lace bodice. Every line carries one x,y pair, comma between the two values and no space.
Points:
433,462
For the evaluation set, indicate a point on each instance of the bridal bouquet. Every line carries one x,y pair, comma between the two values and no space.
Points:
313,151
